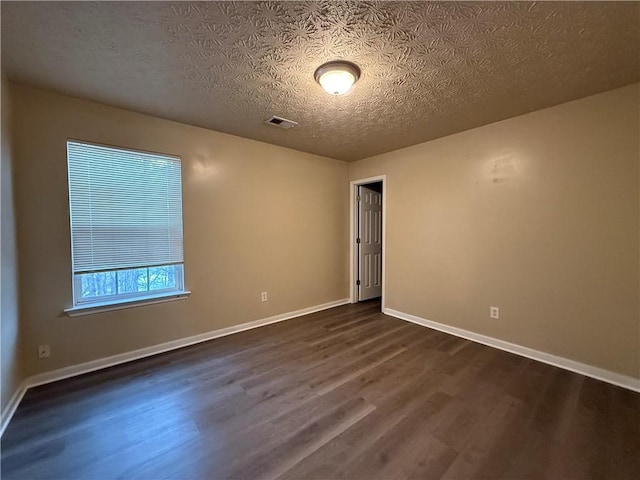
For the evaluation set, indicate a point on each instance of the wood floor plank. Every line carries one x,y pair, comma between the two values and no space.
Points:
342,393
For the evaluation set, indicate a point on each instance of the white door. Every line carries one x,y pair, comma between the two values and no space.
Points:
369,243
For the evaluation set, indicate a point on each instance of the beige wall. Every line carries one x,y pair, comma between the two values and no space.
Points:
256,217
10,360
537,215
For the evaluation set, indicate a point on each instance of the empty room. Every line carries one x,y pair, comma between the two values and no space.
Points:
320,240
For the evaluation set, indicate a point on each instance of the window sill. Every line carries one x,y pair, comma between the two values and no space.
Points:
127,303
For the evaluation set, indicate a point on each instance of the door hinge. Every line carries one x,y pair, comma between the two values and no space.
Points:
357,240
357,282
358,198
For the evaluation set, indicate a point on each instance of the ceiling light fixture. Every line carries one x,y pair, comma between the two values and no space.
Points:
337,77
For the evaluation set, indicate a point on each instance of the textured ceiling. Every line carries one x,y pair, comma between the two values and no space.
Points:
428,69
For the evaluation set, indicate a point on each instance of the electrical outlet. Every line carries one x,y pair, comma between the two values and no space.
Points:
264,296
44,351
494,312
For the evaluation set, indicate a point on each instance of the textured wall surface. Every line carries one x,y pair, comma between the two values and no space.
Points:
11,360
538,215
257,217
429,69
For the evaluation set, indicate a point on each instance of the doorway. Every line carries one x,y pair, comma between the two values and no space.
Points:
368,220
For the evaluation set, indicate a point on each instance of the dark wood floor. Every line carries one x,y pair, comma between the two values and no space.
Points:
344,393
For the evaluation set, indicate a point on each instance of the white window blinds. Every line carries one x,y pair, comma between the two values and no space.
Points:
126,208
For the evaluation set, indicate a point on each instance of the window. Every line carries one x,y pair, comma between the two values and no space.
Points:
126,224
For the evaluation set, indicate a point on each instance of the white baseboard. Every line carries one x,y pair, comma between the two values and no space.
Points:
106,362
624,381
11,407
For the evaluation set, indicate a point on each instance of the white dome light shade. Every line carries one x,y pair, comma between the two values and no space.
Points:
338,77
337,82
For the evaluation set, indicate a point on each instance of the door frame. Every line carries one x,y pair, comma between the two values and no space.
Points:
353,230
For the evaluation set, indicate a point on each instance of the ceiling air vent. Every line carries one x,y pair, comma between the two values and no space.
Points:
281,122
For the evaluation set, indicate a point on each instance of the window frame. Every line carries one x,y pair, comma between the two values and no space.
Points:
122,300
119,297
